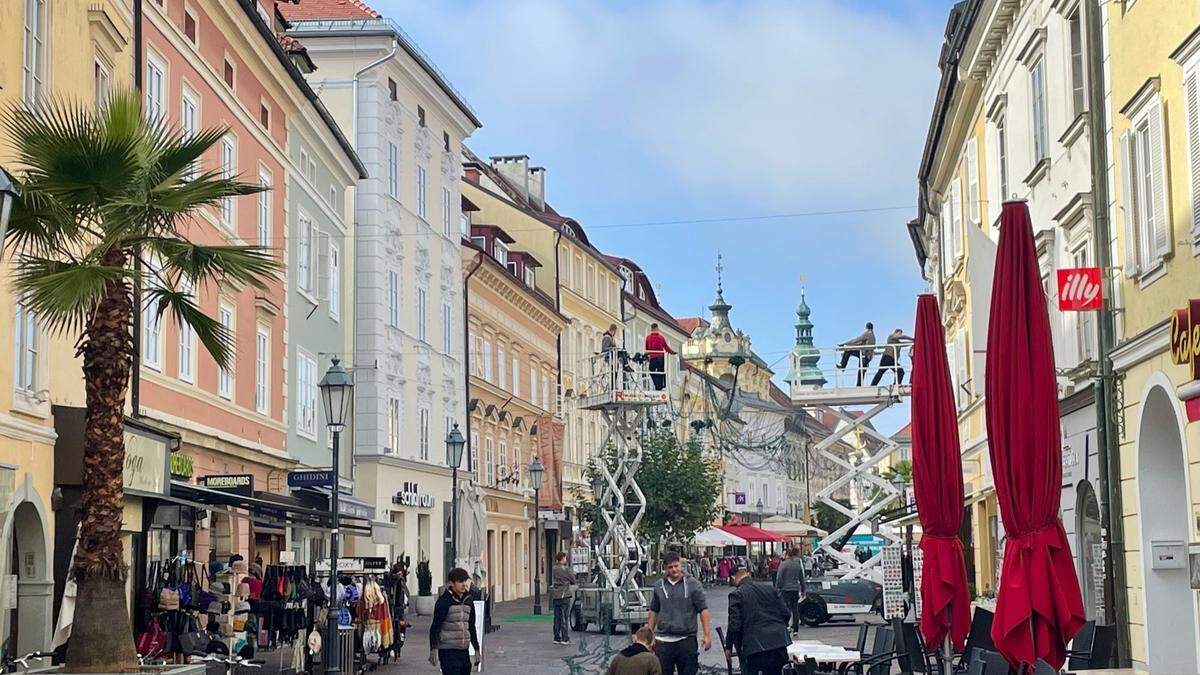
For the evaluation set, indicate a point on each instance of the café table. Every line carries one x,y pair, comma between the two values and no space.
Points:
839,658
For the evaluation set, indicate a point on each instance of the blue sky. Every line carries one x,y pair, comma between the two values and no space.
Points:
645,112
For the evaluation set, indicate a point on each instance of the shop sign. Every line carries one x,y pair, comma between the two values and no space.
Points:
739,498
310,478
365,564
145,463
1079,289
550,514
237,483
181,465
409,495
1185,337
355,510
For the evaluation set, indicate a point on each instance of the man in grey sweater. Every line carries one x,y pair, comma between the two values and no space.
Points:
789,582
861,346
560,594
676,603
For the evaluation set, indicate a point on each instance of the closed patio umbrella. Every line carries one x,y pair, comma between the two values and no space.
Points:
938,484
1039,607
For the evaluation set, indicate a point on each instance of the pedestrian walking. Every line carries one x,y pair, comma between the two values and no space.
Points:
674,607
861,347
656,351
705,570
757,626
638,658
562,579
890,359
789,581
452,633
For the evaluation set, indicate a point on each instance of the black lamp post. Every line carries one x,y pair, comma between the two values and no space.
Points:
337,389
454,454
536,473
759,508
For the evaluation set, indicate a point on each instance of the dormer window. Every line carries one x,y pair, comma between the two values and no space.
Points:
529,277
481,242
500,252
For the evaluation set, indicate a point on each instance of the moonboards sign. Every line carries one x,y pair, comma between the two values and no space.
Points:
1079,289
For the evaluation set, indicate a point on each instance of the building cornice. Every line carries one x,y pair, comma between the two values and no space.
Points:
23,430
1143,346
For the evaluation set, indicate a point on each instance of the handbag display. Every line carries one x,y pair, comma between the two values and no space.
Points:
168,599
153,641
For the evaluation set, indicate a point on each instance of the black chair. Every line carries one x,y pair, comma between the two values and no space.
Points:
1092,647
1043,668
860,645
1080,654
980,637
987,662
883,653
914,647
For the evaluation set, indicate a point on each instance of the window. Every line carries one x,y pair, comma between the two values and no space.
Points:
446,211
1191,95
546,393
423,422
391,89
335,281
1037,101
305,163
420,116
473,454
189,26
304,254
501,368
971,171
187,343
505,466
306,394
156,86
264,210
464,223
952,227
393,426
228,74
422,315
25,354
487,360
533,384
1078,77
151,326
1002,156
393,298
225,375
189,123
490,458
421,191
1147,229
591,283
1085,328
516,377
262,374
332,196
447,327
33,65
264,115
228,169
100,83
564,265
529,280
446,141
500,252
393,185
578,272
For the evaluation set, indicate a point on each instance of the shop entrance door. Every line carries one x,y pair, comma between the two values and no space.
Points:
28,622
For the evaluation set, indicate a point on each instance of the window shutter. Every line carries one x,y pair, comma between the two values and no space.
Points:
992,173
956,226
947,255
322,243
1128,208
1191,92
963,355
1160,237
952,361
972,172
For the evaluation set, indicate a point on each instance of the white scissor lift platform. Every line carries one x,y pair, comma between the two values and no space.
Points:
621,388
845,389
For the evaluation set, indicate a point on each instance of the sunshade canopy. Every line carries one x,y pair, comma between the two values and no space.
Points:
715,536
752,533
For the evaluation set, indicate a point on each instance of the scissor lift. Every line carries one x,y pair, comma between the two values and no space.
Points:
621,388
842,390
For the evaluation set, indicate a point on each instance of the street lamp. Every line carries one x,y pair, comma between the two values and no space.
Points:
8,194
337,388
536,473
454,453
759,508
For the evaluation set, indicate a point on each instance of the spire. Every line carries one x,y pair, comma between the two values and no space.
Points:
804,357
719,308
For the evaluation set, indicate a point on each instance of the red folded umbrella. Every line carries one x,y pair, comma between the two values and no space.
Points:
938,484
1039,607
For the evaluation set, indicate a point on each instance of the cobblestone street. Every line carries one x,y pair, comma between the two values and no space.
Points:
522,645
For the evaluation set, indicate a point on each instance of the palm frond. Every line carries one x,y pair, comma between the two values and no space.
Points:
198,262
63,294
217,339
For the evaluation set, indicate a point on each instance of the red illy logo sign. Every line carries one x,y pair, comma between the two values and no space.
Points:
1079,289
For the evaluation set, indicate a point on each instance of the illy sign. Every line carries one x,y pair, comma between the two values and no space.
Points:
1079,289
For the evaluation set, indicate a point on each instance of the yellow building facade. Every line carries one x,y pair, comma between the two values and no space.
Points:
78,51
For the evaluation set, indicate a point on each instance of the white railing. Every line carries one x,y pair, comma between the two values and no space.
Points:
619,376
886,366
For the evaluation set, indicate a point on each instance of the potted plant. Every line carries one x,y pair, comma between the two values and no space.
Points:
424,589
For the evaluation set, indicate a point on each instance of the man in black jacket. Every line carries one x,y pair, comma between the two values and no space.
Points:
757,625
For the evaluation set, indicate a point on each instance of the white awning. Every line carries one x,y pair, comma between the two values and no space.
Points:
717,537
791,527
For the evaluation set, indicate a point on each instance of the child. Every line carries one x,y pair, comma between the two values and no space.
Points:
638,658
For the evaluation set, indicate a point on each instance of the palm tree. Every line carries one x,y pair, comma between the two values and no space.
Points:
107,197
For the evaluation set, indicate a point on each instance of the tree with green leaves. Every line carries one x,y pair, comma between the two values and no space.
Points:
681,485
106,211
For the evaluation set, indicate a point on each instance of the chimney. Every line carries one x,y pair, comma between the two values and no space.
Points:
537,187
515,170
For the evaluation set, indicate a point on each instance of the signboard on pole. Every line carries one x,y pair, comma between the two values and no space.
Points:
237,483
1079,289
310,478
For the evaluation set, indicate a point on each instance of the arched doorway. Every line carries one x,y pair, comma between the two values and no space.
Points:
1090,546
1163,498
27,627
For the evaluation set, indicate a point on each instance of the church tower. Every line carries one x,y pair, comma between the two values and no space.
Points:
804,373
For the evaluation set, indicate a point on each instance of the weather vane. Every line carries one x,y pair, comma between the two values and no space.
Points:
720,268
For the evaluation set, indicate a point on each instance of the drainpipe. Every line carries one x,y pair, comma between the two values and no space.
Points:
135,383
467,349
354,90
1116,607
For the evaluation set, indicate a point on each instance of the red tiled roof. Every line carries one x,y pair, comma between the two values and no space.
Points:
300,10
905,434
690,323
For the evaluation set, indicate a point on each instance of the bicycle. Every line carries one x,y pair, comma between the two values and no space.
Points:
10,663
232,663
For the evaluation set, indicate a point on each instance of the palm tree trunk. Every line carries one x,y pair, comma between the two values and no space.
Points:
102,637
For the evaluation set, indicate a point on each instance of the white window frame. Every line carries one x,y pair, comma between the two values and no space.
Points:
1191,106
446,211
306,395
264,208
1077,62
488,367
189,122
533,384
516,376
186,367
225,376
546,392
393,171
27,341
335,281
155,86
422,184
393,427
393,305
152,337
501,368
1145,203
423,430
1037,111
971,172
489,445
36,16
1002,156
228,170
447,328
305,243
262,369
422,315
101,82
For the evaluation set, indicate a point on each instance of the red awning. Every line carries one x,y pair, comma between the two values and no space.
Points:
1038,607
938,483
752,533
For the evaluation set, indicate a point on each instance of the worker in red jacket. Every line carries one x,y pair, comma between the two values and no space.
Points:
656,351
